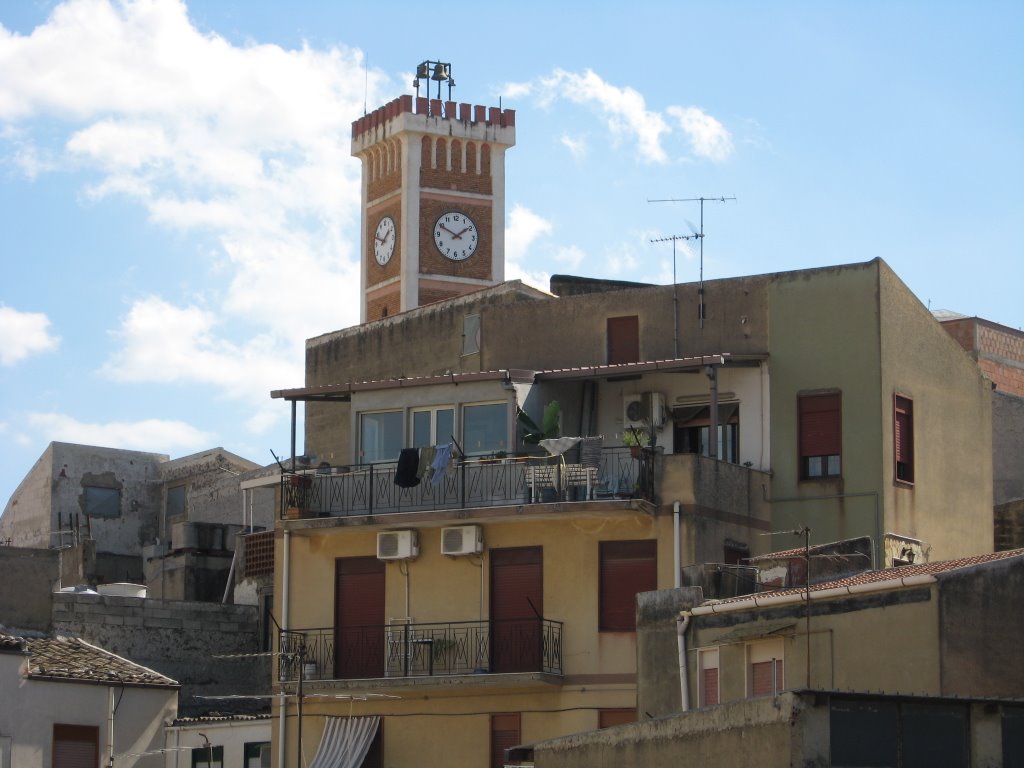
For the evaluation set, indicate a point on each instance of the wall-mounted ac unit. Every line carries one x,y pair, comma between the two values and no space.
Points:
397,545
462,540
643,409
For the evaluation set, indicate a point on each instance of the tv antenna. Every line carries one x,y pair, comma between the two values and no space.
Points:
675,292
698,234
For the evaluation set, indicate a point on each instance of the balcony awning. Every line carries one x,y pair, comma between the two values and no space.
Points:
345,742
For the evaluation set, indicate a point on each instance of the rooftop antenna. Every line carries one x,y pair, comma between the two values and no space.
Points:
699,235
675,292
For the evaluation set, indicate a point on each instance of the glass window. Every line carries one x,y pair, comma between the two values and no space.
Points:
820,435
175,502
102,502
432,426
257,754
380,436
903,438
208,757
485,428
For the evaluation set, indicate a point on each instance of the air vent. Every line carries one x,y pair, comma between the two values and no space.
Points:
397,545
462,540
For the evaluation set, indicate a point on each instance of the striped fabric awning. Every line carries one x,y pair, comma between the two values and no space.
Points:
345,742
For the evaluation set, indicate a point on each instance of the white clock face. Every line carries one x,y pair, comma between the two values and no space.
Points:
455,236
384,240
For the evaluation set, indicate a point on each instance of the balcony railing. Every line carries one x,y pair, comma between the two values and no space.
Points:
422,650
370,489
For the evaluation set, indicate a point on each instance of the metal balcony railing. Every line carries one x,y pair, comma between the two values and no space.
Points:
422,650
370,489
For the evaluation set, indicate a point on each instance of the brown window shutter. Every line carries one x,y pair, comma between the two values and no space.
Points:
761,678
606,718
76,746
505,734
709,683
626,568
820,425
623,339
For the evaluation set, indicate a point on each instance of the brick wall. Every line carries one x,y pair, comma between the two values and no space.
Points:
375,273
431,261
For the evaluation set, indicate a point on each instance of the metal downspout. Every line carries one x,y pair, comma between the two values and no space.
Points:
684,682
283,706
677,580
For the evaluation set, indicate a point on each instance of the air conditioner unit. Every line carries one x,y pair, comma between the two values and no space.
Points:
643,410
397,545
462,540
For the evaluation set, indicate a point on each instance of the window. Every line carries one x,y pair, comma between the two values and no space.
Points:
505,734
208,757
623,339
432,426
692,431
820,436
708,677
76,746
903,438
765,668
470,334
257,754
607,718
626,568
102,502
485,428
380,436
175,505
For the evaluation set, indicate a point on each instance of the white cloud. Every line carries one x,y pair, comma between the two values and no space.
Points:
147,435
248,143
708,137
571,256
577,146
625,108
168,344
23,334
524,227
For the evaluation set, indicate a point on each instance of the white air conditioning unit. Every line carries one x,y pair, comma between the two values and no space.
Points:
643,409
462,540
397,545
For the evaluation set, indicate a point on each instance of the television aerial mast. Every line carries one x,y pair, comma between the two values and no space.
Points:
698,234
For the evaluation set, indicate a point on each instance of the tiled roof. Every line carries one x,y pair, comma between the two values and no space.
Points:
887,574
222,718
73,659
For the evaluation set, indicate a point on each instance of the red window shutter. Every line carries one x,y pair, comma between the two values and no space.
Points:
623,339
820,425
626,568
761,683
76,746
505,734
709,683
606,718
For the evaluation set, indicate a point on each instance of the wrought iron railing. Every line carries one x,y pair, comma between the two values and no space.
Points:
422,650
370,489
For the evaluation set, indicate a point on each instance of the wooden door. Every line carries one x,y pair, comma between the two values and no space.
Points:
517,607
358,618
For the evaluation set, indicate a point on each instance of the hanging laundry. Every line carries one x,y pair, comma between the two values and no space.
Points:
405,472
423,471
442,460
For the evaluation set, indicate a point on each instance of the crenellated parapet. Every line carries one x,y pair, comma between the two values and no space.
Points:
434,116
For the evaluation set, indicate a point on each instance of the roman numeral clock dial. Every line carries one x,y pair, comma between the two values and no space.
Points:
455,236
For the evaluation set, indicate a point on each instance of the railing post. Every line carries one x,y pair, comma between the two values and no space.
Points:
405,650
370,491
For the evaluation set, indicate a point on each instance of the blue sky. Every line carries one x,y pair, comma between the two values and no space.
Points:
179,208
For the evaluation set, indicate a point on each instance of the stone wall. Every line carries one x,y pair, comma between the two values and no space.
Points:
182,640
657,667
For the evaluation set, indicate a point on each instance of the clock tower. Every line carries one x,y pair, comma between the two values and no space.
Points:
433,198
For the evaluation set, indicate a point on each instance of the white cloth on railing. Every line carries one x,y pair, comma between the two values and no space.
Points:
557,446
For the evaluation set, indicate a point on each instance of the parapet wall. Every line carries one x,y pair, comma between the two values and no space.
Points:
182,640
447,110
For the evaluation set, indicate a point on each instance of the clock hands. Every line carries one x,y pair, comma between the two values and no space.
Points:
456,235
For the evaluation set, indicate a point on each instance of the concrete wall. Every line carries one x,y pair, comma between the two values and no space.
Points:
981,626
177,639
659,689
32,707
29,576
1007,447
949,504
230,733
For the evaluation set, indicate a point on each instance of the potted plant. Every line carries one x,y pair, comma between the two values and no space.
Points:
635,439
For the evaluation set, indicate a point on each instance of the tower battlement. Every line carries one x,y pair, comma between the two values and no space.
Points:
441,111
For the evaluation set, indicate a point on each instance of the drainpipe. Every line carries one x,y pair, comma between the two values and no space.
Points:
677,580
110,731
682,622
712,373
283,707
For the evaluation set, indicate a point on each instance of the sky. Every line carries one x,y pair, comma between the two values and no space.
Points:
179,208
